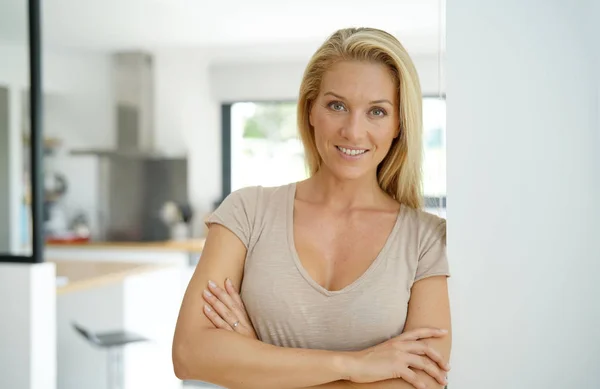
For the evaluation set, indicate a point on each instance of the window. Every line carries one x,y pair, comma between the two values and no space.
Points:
266,150
434,155
265,146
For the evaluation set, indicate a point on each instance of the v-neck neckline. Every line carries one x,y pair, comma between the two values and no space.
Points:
296,258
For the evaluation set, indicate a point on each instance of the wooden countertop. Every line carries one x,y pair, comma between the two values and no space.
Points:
190,245
73,275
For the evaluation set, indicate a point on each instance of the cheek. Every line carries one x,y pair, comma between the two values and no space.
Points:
325,126
383,138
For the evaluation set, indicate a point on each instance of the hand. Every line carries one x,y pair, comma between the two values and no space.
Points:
395,358
225,309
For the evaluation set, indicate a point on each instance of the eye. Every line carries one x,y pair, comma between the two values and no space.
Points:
378,112
336,106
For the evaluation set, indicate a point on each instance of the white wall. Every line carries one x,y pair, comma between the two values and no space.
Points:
281,80
523,189
80,76
188,119
28,326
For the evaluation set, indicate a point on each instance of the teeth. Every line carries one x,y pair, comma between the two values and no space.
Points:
351,152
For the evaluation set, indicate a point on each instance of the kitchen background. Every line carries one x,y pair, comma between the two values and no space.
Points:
156,109
147,132
153,112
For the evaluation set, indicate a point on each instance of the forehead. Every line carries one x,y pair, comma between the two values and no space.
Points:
360,81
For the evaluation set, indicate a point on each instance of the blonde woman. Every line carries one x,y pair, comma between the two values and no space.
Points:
343,277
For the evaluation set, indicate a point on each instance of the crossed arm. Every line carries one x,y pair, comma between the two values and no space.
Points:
428,307
201,352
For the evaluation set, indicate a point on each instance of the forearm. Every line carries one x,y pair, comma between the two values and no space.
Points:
236,362
442,345
387,384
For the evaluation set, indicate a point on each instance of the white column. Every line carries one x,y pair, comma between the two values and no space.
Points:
28,326
523,194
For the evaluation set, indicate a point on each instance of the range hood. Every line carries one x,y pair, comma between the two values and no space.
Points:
133,85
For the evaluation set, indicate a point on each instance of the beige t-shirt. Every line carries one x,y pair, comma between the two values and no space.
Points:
288,308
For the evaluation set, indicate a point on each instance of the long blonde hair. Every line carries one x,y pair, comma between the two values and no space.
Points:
399,174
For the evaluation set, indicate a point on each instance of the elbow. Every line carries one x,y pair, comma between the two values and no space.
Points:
188,364
180,372
180,367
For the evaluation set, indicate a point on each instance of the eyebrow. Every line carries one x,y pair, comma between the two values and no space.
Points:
371,102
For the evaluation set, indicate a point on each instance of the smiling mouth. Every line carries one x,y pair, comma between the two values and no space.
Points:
352,152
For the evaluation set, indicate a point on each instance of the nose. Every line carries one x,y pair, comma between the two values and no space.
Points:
353,127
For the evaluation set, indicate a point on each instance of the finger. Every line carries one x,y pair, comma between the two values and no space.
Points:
220,308
242,329
233,292
422,333
421,348
425,364
238,303
221,294
412,378
216,319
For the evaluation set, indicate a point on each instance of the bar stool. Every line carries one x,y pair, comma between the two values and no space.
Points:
113,342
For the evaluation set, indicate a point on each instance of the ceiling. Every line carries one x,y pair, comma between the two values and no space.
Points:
284,26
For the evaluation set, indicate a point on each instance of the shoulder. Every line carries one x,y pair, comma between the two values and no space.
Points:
256,196
243,211
428,227
428,237
253,202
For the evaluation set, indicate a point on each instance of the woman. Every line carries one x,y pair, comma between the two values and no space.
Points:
343,277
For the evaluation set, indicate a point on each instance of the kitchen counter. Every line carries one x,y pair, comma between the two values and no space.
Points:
189,245
161,252
74,275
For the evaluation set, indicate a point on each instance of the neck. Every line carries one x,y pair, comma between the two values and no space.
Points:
326,188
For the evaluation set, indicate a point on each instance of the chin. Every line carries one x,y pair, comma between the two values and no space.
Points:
348,173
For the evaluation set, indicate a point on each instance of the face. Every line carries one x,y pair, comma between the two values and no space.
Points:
355,118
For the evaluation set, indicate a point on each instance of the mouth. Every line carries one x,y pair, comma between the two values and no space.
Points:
352,152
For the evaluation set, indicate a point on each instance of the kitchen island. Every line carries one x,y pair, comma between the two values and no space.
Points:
133,286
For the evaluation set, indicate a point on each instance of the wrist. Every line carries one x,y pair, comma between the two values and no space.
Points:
344,364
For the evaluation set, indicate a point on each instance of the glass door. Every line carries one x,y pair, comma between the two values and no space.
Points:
21,145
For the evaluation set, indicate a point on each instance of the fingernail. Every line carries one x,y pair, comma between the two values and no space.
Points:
228,281
444,331
207,293
212,284
207,308
448,367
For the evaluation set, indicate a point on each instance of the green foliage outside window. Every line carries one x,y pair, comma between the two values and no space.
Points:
273,121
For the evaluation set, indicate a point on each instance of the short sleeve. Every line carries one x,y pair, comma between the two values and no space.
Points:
237,213
432,254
